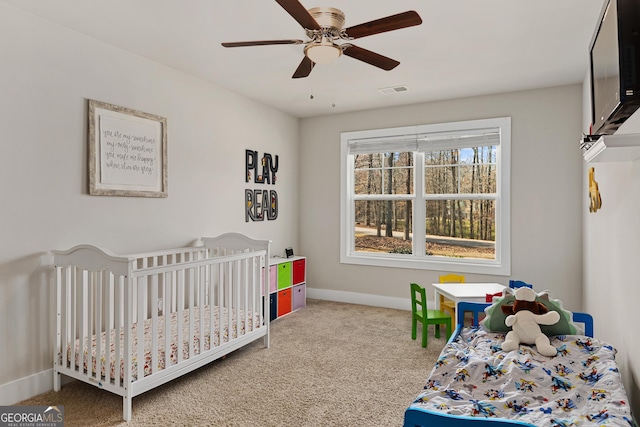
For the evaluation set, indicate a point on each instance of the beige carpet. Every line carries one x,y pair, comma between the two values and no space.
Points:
330,364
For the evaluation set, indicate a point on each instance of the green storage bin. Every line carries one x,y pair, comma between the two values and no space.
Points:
284,275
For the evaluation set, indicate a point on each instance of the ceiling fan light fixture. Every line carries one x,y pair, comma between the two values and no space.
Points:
324,52
328,17
325,25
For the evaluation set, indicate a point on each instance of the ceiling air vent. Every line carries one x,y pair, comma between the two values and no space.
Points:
394,89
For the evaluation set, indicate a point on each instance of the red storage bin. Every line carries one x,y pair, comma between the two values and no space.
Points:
298,271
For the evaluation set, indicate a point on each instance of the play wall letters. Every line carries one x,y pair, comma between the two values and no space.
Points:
260,203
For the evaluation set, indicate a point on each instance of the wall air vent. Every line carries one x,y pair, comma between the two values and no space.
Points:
394,89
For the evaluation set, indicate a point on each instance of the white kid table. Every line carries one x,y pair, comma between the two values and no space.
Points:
473,292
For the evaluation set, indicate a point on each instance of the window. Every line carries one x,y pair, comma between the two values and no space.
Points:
447,182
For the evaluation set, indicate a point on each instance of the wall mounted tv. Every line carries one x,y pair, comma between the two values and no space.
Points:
615,66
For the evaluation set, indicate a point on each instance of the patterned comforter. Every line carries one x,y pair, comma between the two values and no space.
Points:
580,386
254,322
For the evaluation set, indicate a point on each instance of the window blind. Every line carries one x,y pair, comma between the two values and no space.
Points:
399,144
459,139
434,141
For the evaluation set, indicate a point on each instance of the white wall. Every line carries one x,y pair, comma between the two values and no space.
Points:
546,194
611,252
47,73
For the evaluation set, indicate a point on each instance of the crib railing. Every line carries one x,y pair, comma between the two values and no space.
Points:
217,284
101,297
153,297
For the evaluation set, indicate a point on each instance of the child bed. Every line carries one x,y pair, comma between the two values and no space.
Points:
475,383
130,323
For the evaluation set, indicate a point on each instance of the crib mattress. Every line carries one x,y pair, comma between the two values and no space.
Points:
254,322
581,386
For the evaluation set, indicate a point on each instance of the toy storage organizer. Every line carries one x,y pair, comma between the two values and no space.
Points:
287,292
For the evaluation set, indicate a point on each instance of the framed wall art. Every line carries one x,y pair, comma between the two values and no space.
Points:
127,152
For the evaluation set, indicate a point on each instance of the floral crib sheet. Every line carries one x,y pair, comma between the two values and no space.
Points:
581,386
254,322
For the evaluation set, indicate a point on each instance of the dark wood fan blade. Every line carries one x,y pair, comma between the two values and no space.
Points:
299,13
382,25
304,69
260,43
369,57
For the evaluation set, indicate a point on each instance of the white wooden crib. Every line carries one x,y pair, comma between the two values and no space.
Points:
130,323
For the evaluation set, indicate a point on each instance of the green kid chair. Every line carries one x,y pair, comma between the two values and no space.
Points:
426,316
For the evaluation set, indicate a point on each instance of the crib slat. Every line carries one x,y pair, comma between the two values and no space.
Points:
91,310
143,303
206,284
256,282
128,294
58,358
65,313
83,318
97,278
73,312
191,319
229,301
211,302
265,315
234,301
58,292
256,292
180,314
220,303
238,305
201,305
107,280
119,328
174,292
236,286
141,287
169,280
263,291
245,291
154,323
250,307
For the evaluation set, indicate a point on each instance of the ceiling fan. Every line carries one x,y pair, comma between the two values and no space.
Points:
323,26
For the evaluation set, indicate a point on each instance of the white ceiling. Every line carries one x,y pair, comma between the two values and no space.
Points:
463,47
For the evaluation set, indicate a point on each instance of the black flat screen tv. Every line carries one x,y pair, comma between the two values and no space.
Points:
615,66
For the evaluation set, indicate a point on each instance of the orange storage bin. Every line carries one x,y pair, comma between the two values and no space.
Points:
284,302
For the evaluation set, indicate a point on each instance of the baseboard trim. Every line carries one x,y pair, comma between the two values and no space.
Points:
25,388
358,298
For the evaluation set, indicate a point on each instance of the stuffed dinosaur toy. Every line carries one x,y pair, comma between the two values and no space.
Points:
524,317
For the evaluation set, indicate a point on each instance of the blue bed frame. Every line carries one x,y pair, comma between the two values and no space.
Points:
419,417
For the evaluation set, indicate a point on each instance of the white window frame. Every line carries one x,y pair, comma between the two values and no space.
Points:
501,265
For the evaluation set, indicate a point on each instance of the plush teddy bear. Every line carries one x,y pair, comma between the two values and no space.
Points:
524,317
